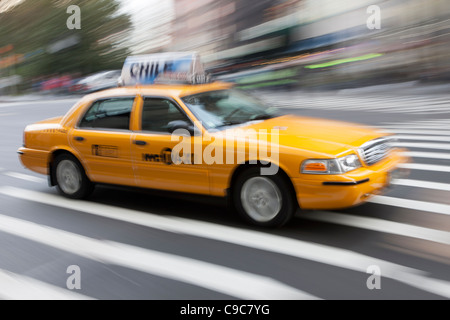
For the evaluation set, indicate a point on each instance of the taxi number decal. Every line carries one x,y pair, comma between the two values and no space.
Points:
166,157
105,151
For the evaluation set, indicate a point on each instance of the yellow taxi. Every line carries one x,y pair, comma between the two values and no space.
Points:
210,139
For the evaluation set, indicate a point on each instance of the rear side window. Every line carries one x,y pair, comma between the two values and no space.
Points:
109,114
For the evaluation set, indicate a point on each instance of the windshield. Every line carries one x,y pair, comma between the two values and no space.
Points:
219,109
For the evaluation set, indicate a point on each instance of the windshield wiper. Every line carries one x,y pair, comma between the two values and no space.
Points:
262,117
231,123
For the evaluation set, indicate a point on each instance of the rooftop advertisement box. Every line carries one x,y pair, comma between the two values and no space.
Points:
162,68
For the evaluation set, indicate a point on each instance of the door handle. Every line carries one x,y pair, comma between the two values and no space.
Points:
140,143
79,139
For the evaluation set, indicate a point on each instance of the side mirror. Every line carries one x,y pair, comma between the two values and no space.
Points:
180,125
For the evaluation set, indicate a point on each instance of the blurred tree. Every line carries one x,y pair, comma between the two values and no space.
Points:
38,30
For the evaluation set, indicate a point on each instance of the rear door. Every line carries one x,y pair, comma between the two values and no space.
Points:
103,140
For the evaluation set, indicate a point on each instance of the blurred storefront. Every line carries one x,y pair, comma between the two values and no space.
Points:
317,43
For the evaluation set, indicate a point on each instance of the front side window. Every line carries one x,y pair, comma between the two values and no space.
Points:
109,114
159,114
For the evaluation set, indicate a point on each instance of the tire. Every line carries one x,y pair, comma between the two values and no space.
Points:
70,177
265,201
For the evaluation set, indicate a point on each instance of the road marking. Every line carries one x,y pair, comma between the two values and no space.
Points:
19,287
7,114
426,132
252,239
236,283
422,184
380,225
412,204
428,155
425,167
26,177
423,122
423,138
424,127
420,145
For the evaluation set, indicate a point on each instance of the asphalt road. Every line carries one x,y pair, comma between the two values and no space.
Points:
138,244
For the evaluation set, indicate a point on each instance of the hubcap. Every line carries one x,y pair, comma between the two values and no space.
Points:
68,176
261,199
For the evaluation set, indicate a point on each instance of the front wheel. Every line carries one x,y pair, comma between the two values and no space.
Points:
71,180
266,201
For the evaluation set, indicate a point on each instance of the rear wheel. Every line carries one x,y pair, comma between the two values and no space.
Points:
266,201
70,177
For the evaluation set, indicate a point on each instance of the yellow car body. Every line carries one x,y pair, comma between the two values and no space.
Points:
113,157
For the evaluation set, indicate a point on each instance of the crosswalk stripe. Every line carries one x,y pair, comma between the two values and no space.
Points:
421,127
19,287
422,184
423,138
239,284
429,155
425,167
248,238
427,132
368,103
431,207
26,177
421,145
380,225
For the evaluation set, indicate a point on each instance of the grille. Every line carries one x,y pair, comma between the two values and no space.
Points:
374,151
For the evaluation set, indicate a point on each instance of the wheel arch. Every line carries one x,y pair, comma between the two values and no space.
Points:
247,165
54,154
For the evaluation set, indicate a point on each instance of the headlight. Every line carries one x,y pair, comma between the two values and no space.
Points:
331,166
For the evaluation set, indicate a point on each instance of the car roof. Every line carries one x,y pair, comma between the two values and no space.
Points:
164,90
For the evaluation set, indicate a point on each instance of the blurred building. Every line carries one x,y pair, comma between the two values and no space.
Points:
152,21
8,4
218,29
319,42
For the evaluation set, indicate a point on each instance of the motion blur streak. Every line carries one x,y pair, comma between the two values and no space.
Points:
18,287
235,283
382,226
253,239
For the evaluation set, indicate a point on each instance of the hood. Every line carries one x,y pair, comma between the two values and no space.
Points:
326,137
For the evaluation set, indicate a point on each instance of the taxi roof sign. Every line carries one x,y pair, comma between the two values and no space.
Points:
168,68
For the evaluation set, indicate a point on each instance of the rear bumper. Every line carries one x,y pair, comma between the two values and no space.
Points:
35,160
316,192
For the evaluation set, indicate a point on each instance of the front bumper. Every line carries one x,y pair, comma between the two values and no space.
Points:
320,192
